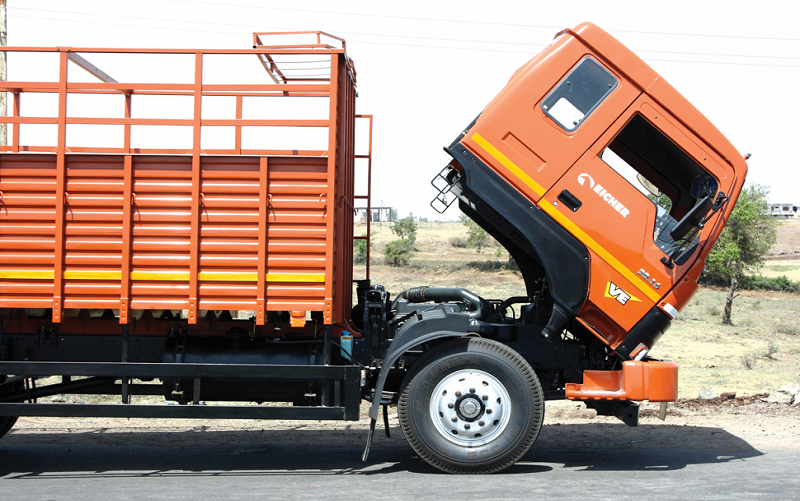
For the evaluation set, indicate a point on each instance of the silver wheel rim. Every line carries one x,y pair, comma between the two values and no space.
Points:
470,408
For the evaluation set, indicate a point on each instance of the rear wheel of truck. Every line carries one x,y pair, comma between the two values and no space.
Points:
471,406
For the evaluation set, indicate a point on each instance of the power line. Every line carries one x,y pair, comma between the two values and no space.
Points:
386,35
426,46
440,20
272,27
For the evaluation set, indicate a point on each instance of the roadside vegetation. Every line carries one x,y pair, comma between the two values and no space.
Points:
399,252
747,237
759,353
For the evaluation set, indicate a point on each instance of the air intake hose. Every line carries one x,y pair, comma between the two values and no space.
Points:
477,306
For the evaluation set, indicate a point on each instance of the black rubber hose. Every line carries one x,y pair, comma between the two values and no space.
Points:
440,294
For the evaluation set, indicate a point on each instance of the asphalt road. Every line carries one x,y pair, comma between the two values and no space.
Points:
579,461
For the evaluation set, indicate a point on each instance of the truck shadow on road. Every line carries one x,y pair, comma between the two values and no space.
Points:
310,450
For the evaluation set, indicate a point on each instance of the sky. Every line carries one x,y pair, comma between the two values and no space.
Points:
426,69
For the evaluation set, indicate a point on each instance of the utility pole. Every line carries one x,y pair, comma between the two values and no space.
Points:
3,75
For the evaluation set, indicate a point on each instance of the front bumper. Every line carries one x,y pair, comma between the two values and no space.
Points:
638,380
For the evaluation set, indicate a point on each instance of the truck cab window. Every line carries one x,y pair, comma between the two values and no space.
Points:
583,89
662,172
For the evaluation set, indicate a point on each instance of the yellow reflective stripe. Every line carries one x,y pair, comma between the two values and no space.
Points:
566,223
28,274
296,277
536,187
181,276
92,275
600,251
215,276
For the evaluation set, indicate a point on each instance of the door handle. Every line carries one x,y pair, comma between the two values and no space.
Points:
570,200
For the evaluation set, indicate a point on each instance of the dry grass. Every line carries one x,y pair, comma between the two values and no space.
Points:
708,353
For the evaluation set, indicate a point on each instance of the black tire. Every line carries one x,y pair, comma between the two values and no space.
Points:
473,380
6,423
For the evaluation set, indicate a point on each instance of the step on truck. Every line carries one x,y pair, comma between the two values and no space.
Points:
192,238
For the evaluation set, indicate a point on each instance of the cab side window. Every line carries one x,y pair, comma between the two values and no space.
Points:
662,172
575,97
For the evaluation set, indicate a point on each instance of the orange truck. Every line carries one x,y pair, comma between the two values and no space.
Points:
224,272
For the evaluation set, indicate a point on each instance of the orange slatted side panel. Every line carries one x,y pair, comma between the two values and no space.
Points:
161,228
296,226
294,209
229,215
93,231
27,230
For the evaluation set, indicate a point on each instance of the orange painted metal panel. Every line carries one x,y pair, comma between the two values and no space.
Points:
170,228
546,159
638,380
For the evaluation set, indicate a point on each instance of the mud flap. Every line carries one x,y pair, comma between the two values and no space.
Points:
435,324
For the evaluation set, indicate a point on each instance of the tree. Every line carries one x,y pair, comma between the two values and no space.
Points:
477,236
746,238
392,215
400,251
406,229
662,200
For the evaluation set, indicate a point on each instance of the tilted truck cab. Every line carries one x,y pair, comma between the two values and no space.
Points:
604,184
609,190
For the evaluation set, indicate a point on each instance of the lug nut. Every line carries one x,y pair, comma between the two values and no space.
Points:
454,419
472,390
466,427
481,423
450,406
488,411
485,397
458,393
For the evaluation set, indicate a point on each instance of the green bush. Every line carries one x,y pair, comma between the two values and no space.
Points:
398,252
754,283
789,329
476,236
360,250
458,242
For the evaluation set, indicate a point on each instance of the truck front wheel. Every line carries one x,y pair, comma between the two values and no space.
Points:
471,405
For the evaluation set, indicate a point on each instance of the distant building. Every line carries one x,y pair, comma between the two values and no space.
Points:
379,214
783,210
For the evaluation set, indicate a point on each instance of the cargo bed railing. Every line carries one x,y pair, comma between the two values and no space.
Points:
168,105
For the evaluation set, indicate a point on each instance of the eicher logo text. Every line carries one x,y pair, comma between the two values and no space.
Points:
604,194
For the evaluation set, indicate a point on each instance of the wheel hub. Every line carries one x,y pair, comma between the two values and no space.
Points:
470,407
